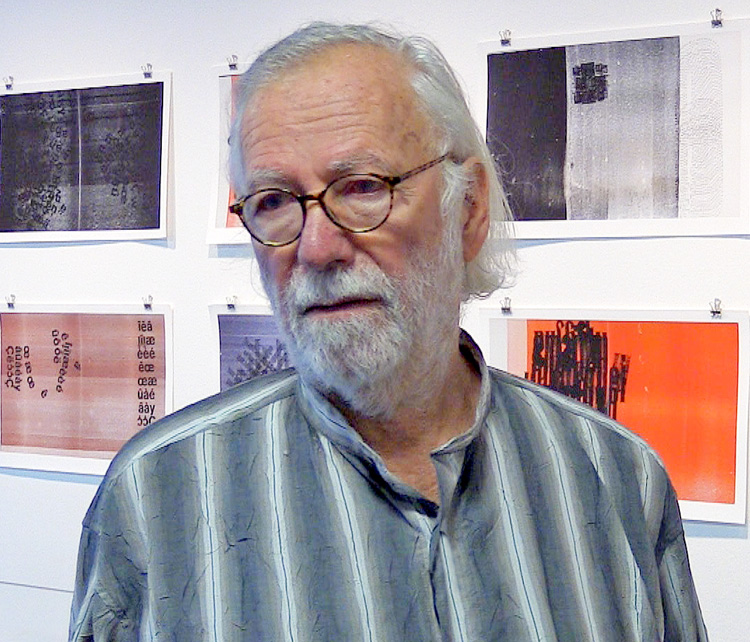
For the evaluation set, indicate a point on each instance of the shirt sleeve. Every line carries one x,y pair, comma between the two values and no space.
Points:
683,621
111,581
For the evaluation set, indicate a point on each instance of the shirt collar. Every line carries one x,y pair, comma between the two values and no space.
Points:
473,355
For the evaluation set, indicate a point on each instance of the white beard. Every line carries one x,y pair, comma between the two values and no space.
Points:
366,358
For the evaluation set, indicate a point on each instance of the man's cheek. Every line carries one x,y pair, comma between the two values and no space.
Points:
268,280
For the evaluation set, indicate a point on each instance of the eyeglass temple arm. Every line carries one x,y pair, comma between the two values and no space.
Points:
395,180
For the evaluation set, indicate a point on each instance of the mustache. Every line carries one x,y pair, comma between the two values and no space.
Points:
309,289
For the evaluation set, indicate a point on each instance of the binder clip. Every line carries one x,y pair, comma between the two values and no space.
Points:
505,305
505,37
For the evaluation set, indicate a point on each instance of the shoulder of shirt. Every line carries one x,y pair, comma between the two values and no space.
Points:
225,406
565,406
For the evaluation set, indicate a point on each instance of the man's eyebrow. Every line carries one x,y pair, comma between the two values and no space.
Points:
256,179
261,178
364,162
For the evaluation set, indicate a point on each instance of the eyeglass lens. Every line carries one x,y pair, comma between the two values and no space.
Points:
357,203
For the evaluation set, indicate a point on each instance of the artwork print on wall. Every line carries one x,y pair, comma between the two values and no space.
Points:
80,384
225,227
632,136
83,162
680,383
249,345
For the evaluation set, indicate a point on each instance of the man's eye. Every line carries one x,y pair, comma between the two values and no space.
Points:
362,186
271,200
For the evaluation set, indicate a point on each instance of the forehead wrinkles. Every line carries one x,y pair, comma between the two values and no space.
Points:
350,93
274,114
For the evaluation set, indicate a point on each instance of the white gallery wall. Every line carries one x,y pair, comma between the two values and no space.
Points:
40,513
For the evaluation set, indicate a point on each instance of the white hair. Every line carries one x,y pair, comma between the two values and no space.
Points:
439,93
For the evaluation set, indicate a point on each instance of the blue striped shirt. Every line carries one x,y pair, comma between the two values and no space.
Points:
260,514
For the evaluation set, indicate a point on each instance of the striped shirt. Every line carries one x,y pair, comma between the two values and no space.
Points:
260,515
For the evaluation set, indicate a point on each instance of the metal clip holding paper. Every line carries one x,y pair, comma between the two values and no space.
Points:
148,302
505,306
148,70
232,302
716,19
8,80
715,307
232,62
11,301
505,37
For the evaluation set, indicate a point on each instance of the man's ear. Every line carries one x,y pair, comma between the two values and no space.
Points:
475,216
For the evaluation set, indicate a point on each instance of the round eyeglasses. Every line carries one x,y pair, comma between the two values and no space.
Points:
355,202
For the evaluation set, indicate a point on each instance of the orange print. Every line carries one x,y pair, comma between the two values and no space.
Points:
678,390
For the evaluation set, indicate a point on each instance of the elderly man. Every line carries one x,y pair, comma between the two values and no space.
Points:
391,486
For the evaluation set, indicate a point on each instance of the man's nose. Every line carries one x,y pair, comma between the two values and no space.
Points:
322,242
